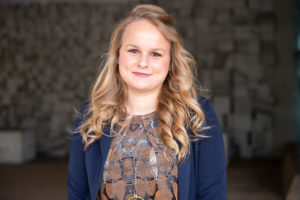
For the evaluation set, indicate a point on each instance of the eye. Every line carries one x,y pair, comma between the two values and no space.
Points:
155,54
133,51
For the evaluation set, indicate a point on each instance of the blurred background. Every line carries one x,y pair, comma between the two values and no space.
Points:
248,57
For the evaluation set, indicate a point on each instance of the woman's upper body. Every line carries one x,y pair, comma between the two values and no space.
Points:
148,70
201,176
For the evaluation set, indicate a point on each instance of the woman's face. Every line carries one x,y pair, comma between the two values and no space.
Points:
144,57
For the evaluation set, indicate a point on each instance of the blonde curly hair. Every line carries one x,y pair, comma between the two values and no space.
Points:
178,109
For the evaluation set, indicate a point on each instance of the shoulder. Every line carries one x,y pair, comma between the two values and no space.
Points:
83,108
211,126
211,119
207,107
204,102
81,114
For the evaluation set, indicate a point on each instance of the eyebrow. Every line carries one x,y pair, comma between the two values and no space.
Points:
154,49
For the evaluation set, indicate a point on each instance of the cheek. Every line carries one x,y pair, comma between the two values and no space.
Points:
125,65
162,66
166,64
121,65
125,61
122,60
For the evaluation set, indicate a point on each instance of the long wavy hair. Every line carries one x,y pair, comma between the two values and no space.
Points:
178,109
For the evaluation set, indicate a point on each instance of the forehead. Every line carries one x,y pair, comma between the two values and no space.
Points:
144,32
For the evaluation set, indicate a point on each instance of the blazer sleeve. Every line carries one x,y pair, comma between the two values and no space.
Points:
210,159
77,178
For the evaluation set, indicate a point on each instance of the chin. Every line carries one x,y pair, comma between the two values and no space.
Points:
142,89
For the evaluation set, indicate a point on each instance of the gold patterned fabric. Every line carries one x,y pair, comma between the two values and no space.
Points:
138,166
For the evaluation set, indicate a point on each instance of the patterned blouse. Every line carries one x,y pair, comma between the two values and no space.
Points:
138,165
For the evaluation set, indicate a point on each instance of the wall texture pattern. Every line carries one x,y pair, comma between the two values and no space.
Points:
51,53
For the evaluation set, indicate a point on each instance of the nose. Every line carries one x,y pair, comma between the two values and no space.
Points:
143,61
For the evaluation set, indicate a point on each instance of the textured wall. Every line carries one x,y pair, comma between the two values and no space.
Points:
50,54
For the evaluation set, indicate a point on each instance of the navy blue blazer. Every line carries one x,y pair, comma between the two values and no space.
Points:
201,176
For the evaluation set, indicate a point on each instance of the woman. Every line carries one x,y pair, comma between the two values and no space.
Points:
145,134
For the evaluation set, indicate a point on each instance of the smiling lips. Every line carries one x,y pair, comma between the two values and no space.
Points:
140,74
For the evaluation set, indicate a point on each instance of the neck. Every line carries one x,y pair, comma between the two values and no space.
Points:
141,103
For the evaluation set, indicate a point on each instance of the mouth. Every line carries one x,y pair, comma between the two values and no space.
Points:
140,74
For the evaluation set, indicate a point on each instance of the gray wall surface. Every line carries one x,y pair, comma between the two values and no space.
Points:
51,53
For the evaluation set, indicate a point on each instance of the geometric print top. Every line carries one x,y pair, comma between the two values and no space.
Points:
138,165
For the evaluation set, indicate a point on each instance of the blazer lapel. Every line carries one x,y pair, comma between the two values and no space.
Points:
184,175
104,145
